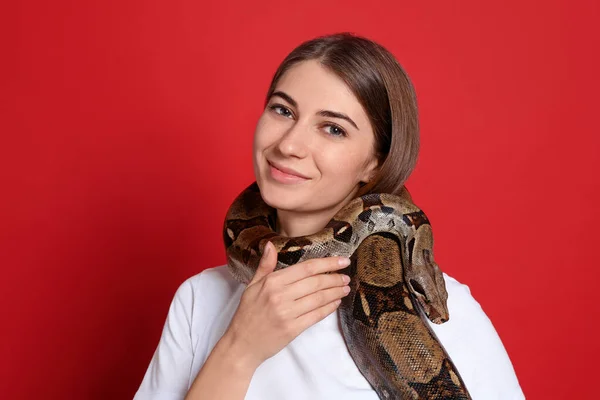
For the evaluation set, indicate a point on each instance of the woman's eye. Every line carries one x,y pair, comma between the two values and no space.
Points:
281,110
335,130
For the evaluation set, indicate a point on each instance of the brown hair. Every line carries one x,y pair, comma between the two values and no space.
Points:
384,91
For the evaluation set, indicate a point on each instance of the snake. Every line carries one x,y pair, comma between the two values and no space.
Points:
395,285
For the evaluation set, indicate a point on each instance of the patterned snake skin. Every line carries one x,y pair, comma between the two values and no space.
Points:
395,283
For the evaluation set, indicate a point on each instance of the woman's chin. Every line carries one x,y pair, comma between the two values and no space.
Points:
281,197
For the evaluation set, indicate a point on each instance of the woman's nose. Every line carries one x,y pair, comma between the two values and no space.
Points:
295,141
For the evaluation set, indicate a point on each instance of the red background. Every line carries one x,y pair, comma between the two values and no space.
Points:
126,132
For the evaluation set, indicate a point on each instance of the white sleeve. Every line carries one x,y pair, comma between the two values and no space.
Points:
168,375
475,347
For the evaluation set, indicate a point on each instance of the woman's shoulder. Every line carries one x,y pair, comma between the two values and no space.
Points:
475,347
213,287
460,299
463,308
216,278
198,312
466,318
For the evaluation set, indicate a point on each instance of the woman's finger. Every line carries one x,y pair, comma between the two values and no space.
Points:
309,319
311,267
308,304
314,284
267,263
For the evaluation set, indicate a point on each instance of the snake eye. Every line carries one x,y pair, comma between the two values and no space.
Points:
416,287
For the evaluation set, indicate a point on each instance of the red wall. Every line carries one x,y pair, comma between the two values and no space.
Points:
126,132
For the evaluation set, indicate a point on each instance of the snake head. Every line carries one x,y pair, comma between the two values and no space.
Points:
426,284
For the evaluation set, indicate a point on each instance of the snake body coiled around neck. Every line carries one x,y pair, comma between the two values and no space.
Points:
395,285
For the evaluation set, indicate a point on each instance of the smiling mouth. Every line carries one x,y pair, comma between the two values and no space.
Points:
284,177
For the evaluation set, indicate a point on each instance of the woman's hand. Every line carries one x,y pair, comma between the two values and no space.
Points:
279,305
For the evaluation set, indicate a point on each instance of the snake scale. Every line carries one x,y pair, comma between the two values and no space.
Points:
395,285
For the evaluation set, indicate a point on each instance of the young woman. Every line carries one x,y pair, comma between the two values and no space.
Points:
340,121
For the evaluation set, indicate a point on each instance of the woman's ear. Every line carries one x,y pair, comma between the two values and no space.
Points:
369,171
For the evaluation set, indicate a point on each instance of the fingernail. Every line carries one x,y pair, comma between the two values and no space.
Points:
344,261
346,278
267,249
346,289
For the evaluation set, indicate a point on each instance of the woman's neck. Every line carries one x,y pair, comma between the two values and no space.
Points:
293,223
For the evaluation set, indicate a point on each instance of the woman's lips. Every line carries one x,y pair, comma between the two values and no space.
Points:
284,177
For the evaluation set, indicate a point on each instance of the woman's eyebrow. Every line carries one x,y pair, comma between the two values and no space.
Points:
323,113
286,97
334,114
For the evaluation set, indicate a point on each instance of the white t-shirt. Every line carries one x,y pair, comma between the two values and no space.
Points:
316,364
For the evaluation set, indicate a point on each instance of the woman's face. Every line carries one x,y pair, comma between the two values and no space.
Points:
314,129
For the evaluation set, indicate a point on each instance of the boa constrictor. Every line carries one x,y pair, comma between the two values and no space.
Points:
395,281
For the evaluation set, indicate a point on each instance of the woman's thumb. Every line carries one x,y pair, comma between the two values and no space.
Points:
267,263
